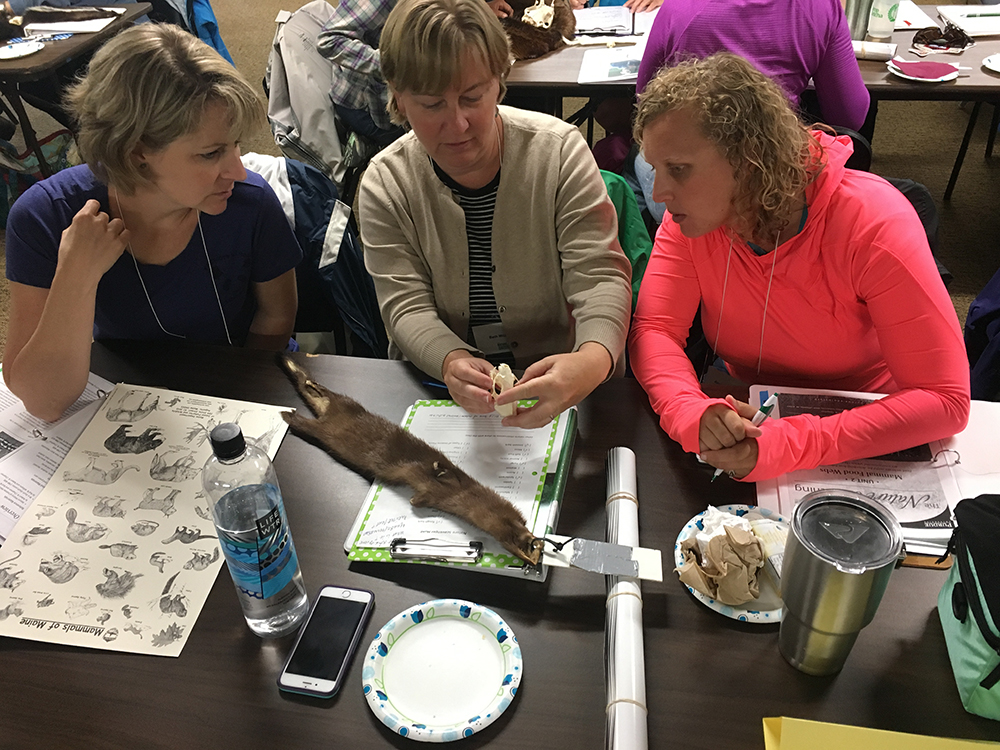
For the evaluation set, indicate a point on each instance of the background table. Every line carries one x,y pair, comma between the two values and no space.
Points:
555,76
709,679
48,60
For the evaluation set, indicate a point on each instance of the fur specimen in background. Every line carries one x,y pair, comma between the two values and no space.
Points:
62,15
527,41
374,446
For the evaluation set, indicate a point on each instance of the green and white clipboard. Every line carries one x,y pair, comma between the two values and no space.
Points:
528,467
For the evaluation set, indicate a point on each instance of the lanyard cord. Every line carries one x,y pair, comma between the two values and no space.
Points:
722,307
767,298
142,283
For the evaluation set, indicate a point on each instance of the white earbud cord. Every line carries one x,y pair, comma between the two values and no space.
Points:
145,291
767,298
218,299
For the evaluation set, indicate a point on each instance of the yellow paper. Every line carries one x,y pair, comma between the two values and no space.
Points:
782,733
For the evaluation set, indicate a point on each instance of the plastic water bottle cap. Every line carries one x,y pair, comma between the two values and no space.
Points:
227,440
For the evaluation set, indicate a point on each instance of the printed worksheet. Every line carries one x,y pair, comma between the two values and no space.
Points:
119,551
31,449
617,64
917,485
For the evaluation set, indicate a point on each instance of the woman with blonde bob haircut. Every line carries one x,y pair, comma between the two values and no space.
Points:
161,234
488,230
807,274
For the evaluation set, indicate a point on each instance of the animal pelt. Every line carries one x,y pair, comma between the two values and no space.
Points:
41,14
528,42
381,450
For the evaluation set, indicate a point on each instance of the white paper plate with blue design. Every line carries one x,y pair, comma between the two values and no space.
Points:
442,670
766,608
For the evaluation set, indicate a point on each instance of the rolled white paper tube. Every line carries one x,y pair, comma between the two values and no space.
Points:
623,645
874,50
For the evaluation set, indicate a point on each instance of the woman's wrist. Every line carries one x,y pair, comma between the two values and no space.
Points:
78,283
453,356
599,356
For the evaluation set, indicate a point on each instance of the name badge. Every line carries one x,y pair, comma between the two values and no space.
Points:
490,338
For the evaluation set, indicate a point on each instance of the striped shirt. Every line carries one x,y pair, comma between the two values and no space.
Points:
479,206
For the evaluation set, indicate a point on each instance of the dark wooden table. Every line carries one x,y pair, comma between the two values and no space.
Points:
555,75
48,60
709,679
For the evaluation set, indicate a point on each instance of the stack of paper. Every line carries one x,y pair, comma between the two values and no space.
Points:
911,16
917,485
974,20
72,27
613,20
617,64
119,551
31,449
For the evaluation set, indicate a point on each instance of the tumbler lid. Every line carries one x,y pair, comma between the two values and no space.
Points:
847,529
227,440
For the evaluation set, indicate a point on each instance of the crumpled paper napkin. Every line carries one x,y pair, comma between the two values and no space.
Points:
723,560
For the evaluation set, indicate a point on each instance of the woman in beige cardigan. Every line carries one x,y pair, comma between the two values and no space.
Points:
488,230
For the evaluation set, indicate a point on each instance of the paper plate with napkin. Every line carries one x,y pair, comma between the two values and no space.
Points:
926,71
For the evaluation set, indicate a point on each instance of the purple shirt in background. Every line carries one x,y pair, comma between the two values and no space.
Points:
792,41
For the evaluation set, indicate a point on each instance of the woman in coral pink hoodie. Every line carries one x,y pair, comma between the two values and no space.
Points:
807,274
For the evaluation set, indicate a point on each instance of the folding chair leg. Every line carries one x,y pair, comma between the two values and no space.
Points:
994,124
585,114
961,152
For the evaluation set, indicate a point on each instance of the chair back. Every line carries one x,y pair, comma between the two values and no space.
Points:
336,293
982,342
861,159
298,83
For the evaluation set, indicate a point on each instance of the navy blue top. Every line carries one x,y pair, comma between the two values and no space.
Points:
249,242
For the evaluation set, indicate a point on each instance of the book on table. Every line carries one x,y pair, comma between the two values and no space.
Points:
612,20
974,20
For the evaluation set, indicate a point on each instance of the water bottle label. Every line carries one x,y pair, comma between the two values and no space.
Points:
269,524
261,567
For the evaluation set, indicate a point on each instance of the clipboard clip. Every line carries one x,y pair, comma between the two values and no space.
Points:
435,550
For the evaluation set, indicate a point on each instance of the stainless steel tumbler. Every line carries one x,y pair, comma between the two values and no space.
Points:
858,15
838,558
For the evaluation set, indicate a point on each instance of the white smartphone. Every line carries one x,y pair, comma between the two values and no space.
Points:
323,650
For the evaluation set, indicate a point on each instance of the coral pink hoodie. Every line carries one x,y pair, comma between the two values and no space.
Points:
856,303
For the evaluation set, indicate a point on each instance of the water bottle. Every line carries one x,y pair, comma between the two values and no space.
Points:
883,19
253,533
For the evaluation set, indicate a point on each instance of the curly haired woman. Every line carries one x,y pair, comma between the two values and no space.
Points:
807,274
